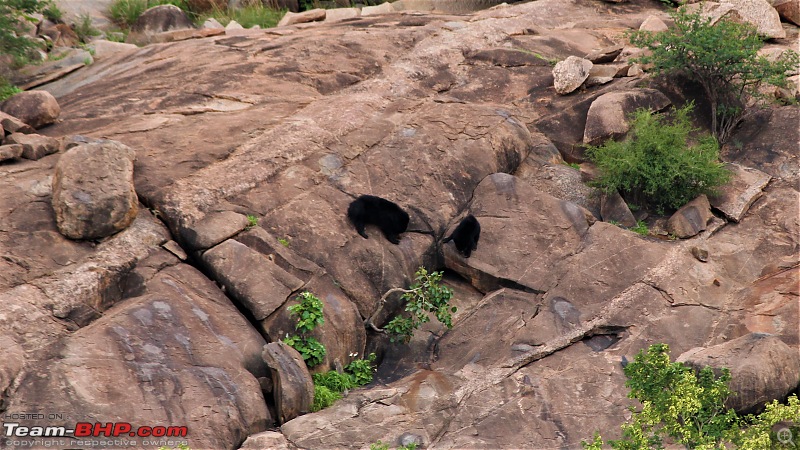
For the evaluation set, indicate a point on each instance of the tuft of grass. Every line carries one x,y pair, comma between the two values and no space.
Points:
323,397
251,221
641,228
125,12
52,13
7,89
284,242
84,28
247,17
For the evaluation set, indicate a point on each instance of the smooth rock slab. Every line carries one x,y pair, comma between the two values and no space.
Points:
213,229
570,74
35,108
34,146
691,218
746,186
272,440
250,277
788,9
763,368
293,387
93,192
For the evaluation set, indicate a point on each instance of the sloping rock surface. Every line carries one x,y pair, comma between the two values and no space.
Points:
436,113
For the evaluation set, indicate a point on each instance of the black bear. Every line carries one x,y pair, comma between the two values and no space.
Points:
389,217
466,235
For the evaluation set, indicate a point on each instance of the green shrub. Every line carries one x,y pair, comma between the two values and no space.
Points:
125,12
309,314
361,370
641,228
722,58
85,29
681,406
7,89
323,397
14,13
247,16
655,167
425,296
52,13
251,221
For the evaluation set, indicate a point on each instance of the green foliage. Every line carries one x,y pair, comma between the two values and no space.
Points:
284,242
125,12
247,16
575,166
84,28
683,407
425,296
251,221
52,13
13,16
381,446
323,397
641,228
312,350
335,381
7,89
357,373
361,370
655,167
722,58
180,446
760,432
309,314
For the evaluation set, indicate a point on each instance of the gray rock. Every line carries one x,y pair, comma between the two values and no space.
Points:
35,108
690,219
256,282
10,151
763,368
746,186
106,49
233,25
383,8
293,388
161,18
212,23
93,193
613,208
570,74
34,146
272,440
338,14
760,14
213,229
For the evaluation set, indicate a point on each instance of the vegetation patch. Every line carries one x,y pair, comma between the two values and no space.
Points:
309,316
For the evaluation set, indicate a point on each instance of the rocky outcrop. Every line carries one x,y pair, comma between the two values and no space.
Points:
93,193
763,368
293,388
35,108
570,74
745,187
609,116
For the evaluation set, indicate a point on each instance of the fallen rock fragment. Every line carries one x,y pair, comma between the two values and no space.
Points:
614,209
293,388
735,197
690,219
35,108
34,146
570,74
313,15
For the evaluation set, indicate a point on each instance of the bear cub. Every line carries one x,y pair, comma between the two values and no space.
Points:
389,217
466,235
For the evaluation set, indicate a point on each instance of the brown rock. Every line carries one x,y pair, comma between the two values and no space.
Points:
744,188
609,115
788,9
763,368
604,55
614,209
293,388
758,13
653,24
93,193
691,219
338,14
257,283
161,18
383,8
35,108
312,15
272,440
34,146
214,229
10,151
570,74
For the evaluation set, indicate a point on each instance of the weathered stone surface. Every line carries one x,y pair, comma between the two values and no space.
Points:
93,193
760,14
233,25
253,280
383,8
161,18
64,61
564,182
294,390
12,124
106,49
198,355
272,440
614,209
745,187
312,15
609,116
189,33
653,24
570,74
691,218
34,146
604,55
768,143
337,14
763,368
214,229
788,9
212,23
35,108
10,151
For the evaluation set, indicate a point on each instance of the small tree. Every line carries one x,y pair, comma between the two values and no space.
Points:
687,408
655,166
722,58
425,296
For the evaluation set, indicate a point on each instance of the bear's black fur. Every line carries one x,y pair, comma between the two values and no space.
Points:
389,217
466,235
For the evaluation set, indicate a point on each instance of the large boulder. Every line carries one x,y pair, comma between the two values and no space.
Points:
93,193
758,13
763,368
788,9
35,108
570,74
293,388
610,114
158,19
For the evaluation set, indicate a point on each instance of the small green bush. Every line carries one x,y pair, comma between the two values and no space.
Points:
323,397
14,13
252,221
425,296
357,373
641,228
52,13
655,166
309,314
7,89
312,350
85,29
361,370
247,16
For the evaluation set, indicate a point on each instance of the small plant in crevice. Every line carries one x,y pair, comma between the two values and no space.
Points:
309,314
330,385
252,221
641,228
381,446
85,29
7,89
426,295
284,242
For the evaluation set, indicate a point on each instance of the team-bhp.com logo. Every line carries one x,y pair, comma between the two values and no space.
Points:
97,429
